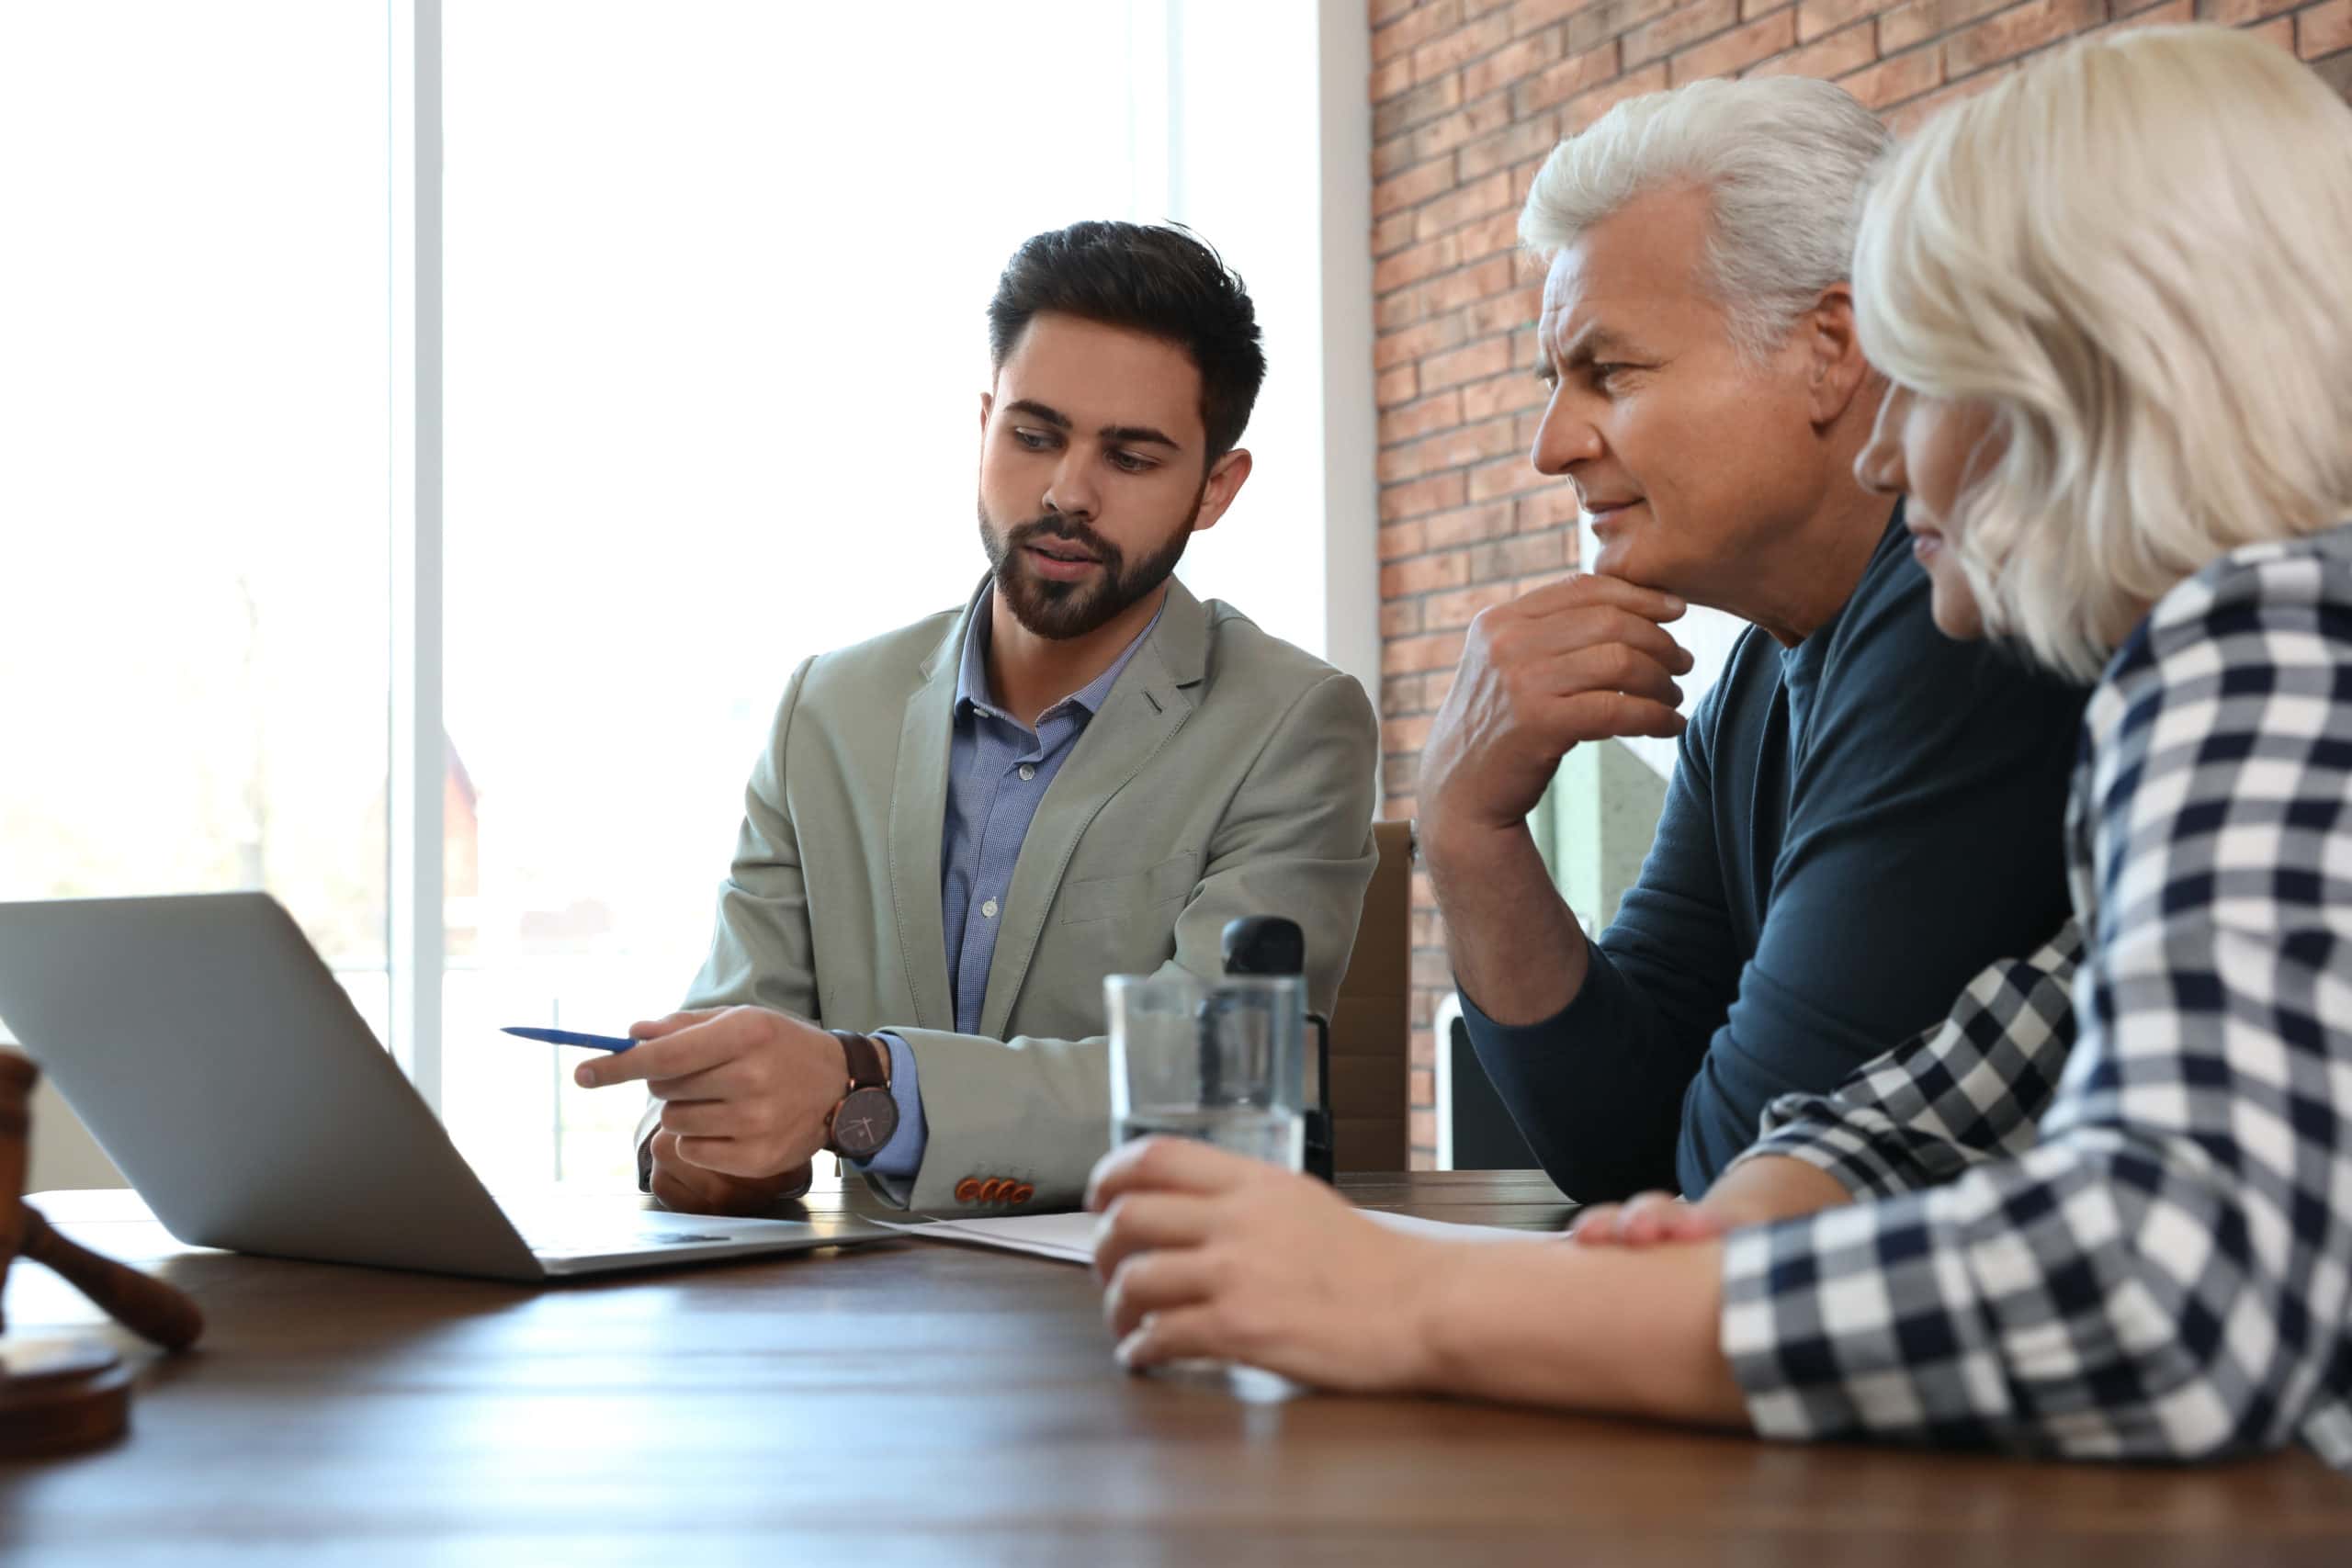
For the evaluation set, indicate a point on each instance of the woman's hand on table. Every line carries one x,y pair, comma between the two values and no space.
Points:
1205,1254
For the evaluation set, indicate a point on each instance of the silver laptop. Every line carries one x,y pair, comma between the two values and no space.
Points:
226,1073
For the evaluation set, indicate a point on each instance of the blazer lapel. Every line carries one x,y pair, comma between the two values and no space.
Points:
1147,705
918,823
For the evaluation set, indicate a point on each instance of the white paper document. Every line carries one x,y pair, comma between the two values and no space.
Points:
1069,1238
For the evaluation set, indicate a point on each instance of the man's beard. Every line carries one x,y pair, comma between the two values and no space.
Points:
1064,610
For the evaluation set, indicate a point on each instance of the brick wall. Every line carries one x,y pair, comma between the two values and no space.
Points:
1468,95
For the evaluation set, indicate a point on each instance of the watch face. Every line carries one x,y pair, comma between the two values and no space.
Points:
865,1123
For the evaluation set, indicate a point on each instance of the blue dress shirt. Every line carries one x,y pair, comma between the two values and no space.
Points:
998,770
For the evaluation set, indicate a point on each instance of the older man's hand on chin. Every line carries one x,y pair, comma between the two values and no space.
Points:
744,1094
1589,658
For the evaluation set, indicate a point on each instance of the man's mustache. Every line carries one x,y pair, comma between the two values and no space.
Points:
1053,525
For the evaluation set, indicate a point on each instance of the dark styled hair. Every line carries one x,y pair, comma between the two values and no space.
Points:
1154,278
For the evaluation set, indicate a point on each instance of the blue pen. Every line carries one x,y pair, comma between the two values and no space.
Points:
614,1043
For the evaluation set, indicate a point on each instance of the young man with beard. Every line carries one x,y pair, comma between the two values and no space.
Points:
959,827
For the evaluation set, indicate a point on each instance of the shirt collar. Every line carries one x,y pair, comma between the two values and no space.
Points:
972,676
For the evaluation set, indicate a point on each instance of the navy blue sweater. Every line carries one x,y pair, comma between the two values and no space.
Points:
1808,902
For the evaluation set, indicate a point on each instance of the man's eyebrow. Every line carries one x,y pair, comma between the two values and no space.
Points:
1594,344
1137,434
1054,417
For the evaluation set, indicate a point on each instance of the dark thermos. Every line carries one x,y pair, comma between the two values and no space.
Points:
1268,945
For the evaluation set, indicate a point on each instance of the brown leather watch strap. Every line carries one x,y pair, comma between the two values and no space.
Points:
869,1059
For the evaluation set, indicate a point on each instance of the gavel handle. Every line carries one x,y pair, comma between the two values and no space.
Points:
146,1307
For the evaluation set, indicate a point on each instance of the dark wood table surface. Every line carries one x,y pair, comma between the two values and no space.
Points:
914,1402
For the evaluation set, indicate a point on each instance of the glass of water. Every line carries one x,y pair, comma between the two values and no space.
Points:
1223,1061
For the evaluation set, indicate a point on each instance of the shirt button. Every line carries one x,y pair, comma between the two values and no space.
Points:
987,911
1028,771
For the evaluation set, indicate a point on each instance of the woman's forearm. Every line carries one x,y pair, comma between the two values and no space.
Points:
1580,1328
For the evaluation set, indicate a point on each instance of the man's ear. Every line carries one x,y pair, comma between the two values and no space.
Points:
987,401
1224,481
1837,372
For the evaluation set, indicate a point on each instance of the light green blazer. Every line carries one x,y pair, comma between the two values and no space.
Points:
1226,773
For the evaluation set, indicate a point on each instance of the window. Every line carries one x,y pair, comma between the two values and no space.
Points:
193,543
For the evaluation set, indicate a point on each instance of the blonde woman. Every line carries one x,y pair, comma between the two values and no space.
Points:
2106,1209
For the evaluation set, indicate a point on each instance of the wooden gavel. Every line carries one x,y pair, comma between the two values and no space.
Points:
146,1307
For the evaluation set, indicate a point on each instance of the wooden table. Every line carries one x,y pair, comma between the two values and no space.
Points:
914,1402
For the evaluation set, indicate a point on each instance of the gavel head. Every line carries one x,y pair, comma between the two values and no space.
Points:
18,1076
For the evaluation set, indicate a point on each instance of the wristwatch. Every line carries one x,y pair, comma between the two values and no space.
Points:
866,1116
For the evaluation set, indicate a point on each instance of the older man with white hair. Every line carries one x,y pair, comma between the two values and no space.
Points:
1863,814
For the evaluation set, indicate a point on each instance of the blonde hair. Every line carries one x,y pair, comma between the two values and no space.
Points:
1782,159
2137,252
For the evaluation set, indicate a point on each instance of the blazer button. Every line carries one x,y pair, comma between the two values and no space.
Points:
1021,1194
968,1189
991,1189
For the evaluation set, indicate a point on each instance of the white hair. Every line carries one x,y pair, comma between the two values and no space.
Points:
2137,253
1784,160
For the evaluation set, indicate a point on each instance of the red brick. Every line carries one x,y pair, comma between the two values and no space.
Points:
1401,617
1529,15
1917,112
1415,343
1585,108
2238,13
1432,494
1403,772
1566,80
1722,56
1413,264
1503,394
1424,575
1399,694
1442,611
1412,187
1470,526
1489,236
1508,477
2323,30
1511,560
1421,1088
1918,20
1433,650
2169,13
1492,194
1828,59
1504,312
1422,1046
1511,64
1401,735
1531,136
1452,449
1447,132
1679,29
1388,80
1818,18
1421,1127
1479,359
1415,29
1398,539
2278,31
1393,386
1392,234
1418,418
1488,278
1460,47
1424,103
1596,25
2019,31
1386,11
1894,80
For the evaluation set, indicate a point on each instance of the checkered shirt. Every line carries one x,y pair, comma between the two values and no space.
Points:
2111,1195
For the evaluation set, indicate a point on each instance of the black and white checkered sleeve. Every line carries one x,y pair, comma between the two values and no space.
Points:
1969,1089
2166,1272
